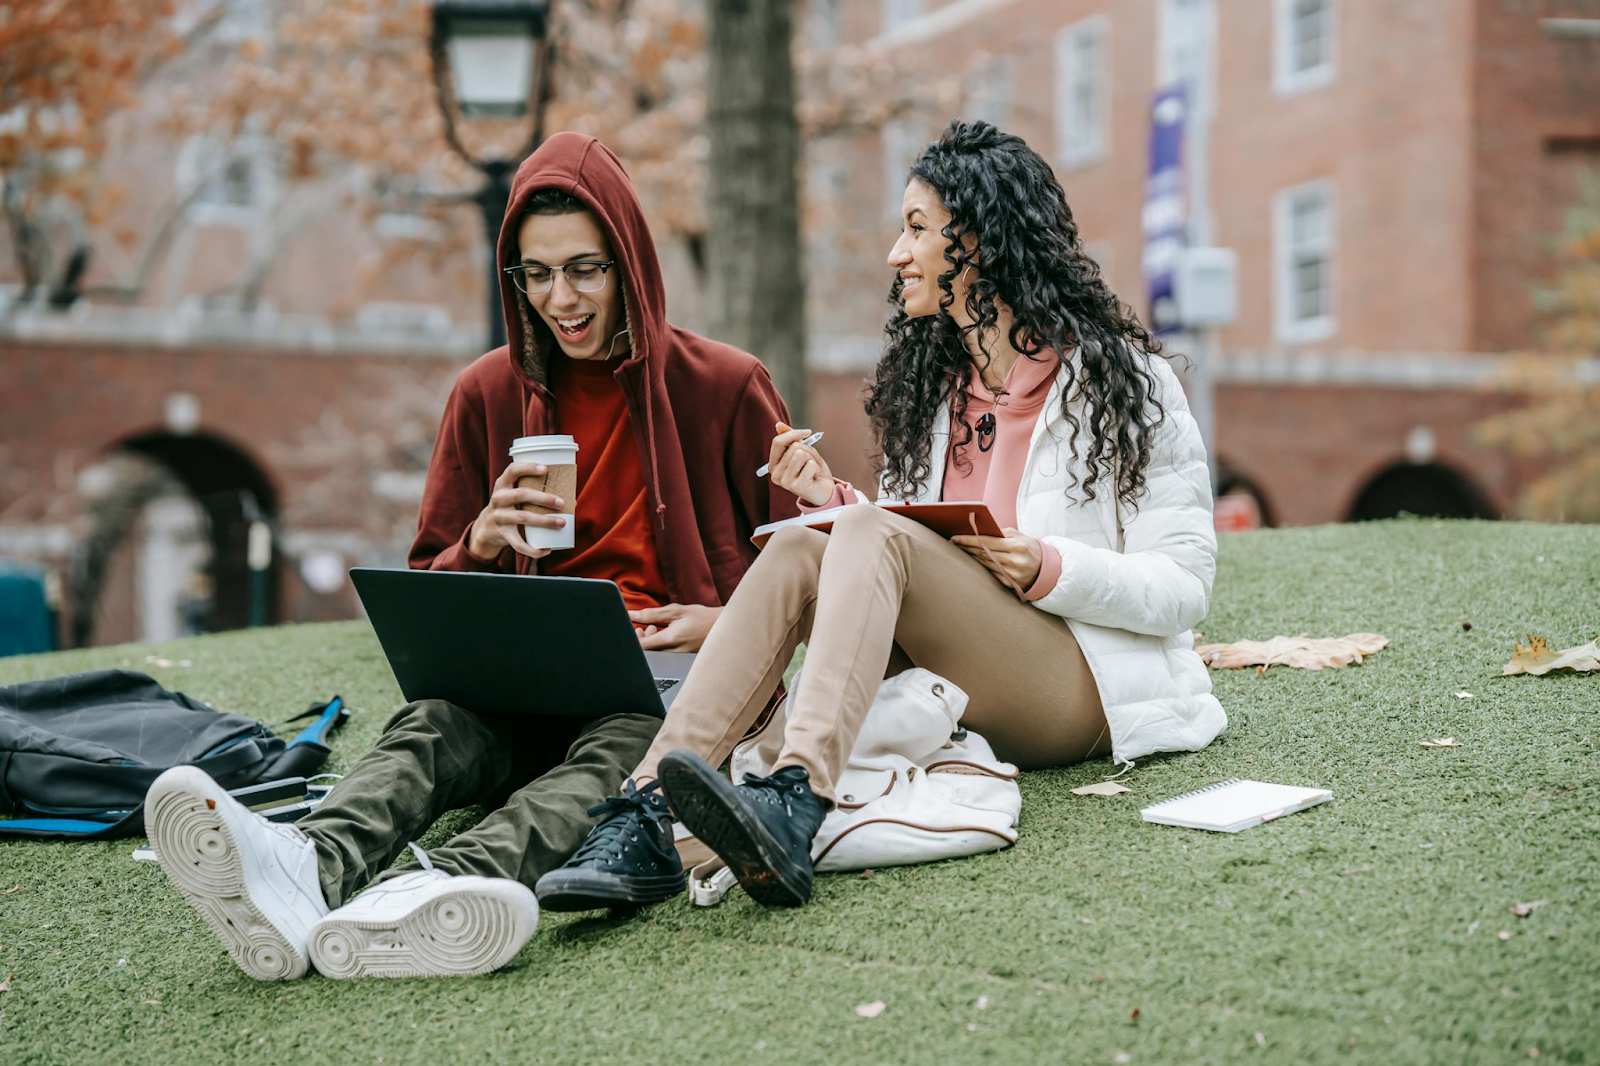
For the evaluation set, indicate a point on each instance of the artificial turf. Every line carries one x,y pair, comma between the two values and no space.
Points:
1375,928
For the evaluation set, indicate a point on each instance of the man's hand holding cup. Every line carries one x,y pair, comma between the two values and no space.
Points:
799,467
501,521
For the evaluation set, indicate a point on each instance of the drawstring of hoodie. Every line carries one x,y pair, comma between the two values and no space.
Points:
649,431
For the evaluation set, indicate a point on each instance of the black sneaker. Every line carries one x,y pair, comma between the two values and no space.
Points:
628,860
762,829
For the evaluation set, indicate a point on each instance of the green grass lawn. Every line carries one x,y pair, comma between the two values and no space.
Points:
1375,928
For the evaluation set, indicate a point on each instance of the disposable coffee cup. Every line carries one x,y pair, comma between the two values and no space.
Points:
558,453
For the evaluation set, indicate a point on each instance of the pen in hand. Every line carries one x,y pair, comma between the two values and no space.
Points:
765,468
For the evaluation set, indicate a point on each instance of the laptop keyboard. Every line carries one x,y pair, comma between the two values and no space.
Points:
664,683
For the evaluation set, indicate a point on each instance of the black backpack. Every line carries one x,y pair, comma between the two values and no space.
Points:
78,753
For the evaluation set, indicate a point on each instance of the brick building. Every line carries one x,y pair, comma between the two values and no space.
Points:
1387,171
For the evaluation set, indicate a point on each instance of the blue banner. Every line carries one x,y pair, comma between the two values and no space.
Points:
1166,208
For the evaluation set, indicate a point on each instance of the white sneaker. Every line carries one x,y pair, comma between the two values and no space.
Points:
253,881
426,924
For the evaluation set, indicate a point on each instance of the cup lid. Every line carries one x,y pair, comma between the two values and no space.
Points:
553,441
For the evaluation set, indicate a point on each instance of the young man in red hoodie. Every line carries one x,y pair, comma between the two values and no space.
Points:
656,410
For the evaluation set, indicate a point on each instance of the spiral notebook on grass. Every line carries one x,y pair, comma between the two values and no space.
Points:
1235,804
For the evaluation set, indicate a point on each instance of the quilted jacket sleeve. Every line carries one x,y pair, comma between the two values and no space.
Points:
1160,583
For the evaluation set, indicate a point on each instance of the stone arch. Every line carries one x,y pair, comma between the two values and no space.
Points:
1431,489
229,486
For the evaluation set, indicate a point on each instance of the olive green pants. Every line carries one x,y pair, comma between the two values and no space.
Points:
538,774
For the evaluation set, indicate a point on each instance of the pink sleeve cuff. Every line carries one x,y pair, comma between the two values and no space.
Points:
843,493
1049,574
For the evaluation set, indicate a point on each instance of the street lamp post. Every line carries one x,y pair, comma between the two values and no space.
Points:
490,59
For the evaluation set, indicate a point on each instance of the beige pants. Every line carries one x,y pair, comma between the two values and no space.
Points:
879,594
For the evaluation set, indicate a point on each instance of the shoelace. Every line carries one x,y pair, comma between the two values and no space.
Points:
614,833
770,789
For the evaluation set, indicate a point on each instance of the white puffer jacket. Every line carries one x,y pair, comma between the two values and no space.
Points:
1133,583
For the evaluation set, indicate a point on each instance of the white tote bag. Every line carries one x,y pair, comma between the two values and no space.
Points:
917,787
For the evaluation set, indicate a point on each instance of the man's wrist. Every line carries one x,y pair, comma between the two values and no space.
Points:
473,547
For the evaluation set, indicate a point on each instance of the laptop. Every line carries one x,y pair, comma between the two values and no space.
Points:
511,643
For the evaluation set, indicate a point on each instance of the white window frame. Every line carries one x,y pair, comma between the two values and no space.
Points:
1081,147
205,208
896,13
989,91
1287,81
902,141
1288,327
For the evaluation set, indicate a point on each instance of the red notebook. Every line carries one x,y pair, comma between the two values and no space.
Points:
946,519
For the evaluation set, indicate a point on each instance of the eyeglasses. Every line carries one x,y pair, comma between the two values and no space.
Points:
535,279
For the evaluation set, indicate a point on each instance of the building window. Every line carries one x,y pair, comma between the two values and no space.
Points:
902,143
1082,92
1303,45
1303,233
897,13
236,182
989,93
824,24
1186,34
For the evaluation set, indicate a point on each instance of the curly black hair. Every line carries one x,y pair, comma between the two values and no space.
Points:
1027,256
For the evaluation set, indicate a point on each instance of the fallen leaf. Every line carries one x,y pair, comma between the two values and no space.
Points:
1504,934
1442,742
1303,651
151,1002
165,663
983,1002
1473,928
1121,1057
873,1009
1133,1015
1463,695
866,874
1261,1040
1522,910
1086,921
14,888
5,986
972,1027
1101,788
1537,658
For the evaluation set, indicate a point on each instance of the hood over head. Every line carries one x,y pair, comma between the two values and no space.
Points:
587,170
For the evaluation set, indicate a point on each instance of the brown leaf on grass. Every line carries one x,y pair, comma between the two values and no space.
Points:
14,888
1303,652
1101,788
871,1010
1442,742
5,986
1522,910
1537,658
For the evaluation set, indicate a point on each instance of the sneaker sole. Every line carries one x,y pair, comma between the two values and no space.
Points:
584,890
196,847
706,802
462,932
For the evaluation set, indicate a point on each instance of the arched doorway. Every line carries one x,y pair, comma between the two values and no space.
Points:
171,491
1428,489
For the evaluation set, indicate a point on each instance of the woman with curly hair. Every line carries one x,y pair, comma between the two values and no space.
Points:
1012,375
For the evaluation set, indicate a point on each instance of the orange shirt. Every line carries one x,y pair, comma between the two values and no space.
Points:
614,538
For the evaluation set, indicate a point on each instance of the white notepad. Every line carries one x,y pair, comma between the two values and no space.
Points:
1235,804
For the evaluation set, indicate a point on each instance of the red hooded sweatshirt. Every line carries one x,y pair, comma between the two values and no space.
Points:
702,413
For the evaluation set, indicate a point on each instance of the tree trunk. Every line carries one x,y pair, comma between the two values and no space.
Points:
753,250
